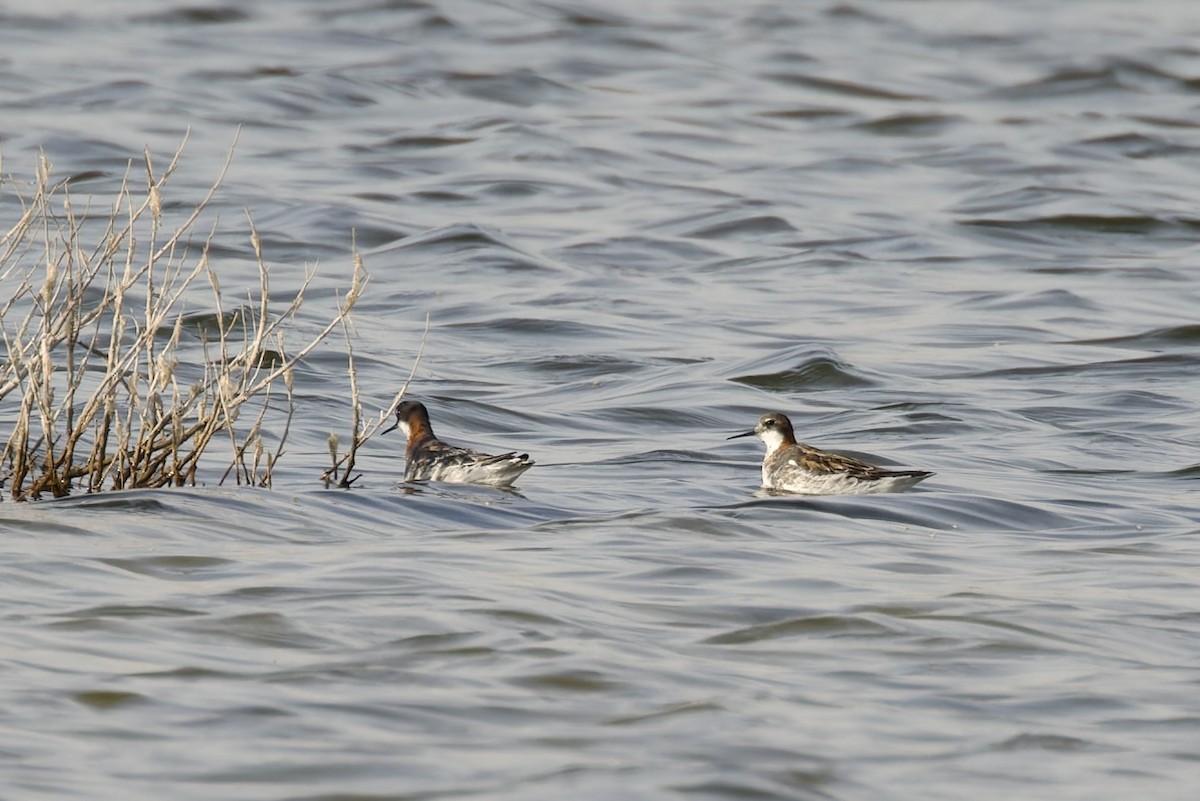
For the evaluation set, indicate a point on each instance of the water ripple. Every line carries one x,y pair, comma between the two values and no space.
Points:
959,241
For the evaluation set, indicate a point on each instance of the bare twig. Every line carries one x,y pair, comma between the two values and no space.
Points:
95,339
341,466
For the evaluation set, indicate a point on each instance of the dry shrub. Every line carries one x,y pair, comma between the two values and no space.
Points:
115,384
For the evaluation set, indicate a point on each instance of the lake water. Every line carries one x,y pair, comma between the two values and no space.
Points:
951,235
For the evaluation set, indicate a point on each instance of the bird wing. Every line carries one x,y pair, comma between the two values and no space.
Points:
819,461
440,461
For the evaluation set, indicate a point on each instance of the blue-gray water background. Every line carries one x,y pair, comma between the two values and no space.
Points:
952,235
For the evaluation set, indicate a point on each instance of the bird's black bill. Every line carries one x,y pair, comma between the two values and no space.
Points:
738,436
394,426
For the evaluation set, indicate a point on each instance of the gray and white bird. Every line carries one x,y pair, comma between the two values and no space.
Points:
792,466
428,458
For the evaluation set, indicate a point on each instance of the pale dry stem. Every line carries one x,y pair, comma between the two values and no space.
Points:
341,466
92,342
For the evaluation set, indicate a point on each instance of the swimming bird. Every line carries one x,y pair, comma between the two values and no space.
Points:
430,458
795,467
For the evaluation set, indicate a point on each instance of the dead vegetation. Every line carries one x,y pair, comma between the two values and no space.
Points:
124,362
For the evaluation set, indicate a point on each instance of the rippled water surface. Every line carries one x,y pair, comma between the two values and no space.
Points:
958,236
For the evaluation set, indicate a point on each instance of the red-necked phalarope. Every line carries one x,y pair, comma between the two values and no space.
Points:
795,467
430,458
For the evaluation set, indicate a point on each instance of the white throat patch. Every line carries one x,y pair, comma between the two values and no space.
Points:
772,438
